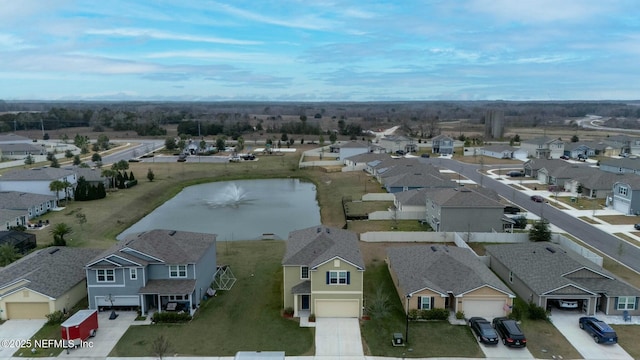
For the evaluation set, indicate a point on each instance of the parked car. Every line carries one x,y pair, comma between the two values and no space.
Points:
599,330
483,330
425,155
400,152
582,157
515,173
566,304
182,158
537,198
511,210
636,226
509,332
564,157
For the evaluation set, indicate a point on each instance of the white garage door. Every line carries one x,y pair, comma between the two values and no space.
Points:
337,308
487,309
622,206
122,300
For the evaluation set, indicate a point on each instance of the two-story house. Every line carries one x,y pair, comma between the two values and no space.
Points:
442,144
323,273
165,270
626,195
462,209
543,148
624,144
37,180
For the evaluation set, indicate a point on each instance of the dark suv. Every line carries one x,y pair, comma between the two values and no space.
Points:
509,332
599,330
483,330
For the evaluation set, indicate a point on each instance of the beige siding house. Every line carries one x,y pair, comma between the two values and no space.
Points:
44,281
323,273
447,277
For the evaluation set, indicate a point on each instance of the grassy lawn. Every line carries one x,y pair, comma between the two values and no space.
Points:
557,204
362,208
588,219
544,341
361,226
247,317
628,339
426,339
583,203
619,219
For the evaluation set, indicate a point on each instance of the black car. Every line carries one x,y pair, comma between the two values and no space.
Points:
537,198
637,226
511,210
425,155
483,330
509,332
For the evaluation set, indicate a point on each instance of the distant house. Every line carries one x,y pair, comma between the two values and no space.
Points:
542,272
323,273
462,209
504,152
442,144
44,281
621,166
626,195
597,185
393,143
543,148
32,205
21,150
447,277
356,147
576,149
37,180
623,144
22,241
559,175
411,203
532,168
93,176
12,218
361,161
414,176
166,270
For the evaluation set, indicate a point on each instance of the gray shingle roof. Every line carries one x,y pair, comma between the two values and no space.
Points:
602,180
354,144
446,270
168,287
368,157
318,244
411,197
51,271
17,200
540,140
37,174
4,138
168,246
410,179
545,267
626,163
573,171
91,175
462,197
499,148
22,148
549,164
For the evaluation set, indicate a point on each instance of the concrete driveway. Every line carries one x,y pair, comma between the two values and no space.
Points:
567,323
500,351
18,330
108,334
338,337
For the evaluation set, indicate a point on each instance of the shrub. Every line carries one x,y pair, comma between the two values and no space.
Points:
55,318
312,317
459,315
537,312
435,314
171,317
131,183
288,311
413,314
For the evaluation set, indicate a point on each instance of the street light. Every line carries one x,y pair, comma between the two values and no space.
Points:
406,331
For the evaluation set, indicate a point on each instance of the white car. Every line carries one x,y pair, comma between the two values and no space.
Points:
567,304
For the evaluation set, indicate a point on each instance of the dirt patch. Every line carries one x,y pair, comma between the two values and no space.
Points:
377,251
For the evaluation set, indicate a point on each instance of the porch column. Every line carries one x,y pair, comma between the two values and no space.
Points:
143,309
159,304
295,305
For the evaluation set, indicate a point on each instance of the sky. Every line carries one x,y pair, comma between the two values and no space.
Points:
325,50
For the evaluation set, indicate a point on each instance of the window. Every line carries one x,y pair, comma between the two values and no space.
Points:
622,191
133,273
106,275
304,272
626,303
425,302
510,276
177,271
338,277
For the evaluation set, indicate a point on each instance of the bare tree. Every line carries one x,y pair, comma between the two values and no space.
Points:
160,346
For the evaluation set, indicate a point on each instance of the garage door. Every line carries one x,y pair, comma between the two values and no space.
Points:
27,310
621,206
337,308
118,301
488,309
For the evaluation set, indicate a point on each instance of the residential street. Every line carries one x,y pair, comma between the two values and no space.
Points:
591,235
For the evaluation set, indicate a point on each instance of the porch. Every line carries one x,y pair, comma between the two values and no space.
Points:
168,295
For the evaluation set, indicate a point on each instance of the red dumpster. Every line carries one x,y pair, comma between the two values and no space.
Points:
79,327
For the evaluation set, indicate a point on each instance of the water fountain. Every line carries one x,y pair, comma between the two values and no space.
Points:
232,196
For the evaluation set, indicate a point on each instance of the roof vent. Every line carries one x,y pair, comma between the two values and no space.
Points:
172,232
434,249
550,249
54,251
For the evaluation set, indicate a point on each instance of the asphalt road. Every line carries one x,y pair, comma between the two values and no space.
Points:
610,245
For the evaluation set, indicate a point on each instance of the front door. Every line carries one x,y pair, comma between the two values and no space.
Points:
305,302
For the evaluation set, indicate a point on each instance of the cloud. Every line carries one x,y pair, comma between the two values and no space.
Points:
162,35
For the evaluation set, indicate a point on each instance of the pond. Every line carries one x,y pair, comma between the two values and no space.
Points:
237,210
